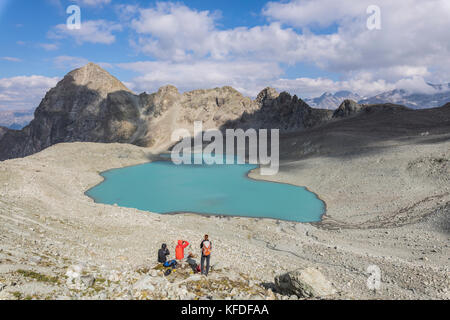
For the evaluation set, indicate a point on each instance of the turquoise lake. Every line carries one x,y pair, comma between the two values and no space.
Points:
163,187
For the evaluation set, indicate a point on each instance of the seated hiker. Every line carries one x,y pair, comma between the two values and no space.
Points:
163,253
192,263
179,250
206,247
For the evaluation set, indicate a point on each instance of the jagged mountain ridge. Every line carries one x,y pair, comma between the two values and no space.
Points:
439,97
331,101
413,100
90,105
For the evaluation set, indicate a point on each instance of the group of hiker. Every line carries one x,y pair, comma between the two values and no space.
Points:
205,246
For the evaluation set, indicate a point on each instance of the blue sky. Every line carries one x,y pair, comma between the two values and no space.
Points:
28,22
305,47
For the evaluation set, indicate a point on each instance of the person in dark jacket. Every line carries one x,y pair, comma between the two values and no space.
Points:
163,253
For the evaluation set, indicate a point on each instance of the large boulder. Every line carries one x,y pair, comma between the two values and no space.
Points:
304,283
347,108
145,283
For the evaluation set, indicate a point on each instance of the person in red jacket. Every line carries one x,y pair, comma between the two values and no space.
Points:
179,250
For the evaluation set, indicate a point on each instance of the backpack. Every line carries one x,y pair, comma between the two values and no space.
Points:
170,263
206,249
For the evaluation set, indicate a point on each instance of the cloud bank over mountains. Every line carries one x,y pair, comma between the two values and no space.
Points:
404,53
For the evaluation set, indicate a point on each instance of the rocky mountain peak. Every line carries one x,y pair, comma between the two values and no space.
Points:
168,89
266,94
95,78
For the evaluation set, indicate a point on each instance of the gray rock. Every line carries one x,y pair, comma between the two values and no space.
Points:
305,283
144,283
88,280
35,259
347,108
154,273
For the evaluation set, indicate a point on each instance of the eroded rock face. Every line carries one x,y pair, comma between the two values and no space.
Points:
2,131
347,108
305,283
281,111
90,105
87,105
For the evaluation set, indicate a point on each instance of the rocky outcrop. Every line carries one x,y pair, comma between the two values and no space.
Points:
3,130
332,101
306,283
281,111
87,105
347,108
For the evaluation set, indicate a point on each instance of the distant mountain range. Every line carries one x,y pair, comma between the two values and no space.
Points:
331,101
15,119
439,97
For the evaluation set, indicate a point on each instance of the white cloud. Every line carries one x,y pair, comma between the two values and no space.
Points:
11,59
363,84
248,77
412,45
414,32
173,31
323,13
69,62
92,31
92,2
24,92
49,46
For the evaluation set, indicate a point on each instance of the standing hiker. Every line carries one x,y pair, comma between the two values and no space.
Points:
163,253
179,250
206,247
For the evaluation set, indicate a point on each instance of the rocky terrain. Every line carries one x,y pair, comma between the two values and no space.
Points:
382,170
389,209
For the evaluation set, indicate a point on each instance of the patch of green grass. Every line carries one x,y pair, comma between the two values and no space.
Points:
100,285
143,270
159,267
101,280
17,295
37,276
